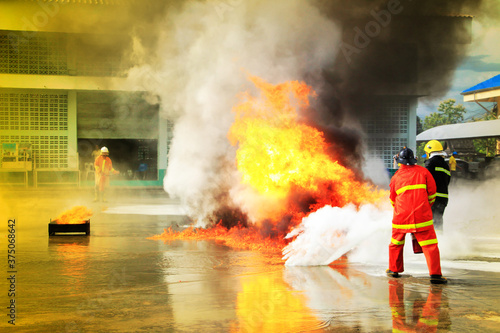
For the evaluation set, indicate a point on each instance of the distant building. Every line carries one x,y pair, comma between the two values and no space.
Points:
486,91
62,92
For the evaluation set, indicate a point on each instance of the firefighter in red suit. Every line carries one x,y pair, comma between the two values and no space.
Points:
103,169
412,193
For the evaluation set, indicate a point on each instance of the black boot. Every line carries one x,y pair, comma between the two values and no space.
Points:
438,279
391,273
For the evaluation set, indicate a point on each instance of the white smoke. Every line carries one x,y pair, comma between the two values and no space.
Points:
471,218
471,230
375,170
331,232
207,49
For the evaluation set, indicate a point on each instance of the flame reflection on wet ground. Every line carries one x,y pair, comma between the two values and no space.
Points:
117,280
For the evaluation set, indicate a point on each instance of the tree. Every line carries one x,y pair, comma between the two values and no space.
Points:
420,129
448,113
486,146
420,153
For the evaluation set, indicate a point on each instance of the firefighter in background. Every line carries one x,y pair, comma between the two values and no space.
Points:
440,171
453,166
412,193
103,169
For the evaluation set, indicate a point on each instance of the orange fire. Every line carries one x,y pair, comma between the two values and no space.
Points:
285,164
282,158
236,237
76,215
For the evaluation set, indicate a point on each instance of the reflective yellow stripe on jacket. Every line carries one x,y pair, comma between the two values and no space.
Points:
411,187
443,170
442,195
432,198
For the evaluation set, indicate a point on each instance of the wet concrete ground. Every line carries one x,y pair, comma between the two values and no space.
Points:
117,280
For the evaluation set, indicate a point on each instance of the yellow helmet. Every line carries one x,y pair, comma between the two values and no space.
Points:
433,145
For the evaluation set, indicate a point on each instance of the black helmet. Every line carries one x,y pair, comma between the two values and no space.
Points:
406,157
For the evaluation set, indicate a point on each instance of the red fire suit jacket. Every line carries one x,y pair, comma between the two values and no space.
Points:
103,165
412,193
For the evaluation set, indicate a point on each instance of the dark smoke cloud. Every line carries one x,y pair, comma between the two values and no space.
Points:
389,48
395,48
195,50
416,51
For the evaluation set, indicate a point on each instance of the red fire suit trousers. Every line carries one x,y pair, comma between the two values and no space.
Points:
427,240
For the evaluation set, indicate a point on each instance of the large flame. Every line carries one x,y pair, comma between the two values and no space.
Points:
285,164
283,158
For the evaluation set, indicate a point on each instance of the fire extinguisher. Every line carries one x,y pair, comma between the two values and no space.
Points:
416,247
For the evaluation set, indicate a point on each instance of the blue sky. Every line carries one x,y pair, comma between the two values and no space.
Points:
482,63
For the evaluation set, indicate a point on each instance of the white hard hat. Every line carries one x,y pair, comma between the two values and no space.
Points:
104,150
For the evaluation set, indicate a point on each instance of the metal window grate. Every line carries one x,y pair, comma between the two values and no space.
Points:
49,151
45,53
33,53
25,113
385,148
387,129
390,117
107,65
143,153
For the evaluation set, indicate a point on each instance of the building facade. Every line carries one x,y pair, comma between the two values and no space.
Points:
62,93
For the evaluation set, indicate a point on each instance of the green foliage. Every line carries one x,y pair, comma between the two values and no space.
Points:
486,146
448,113
433,120
420,152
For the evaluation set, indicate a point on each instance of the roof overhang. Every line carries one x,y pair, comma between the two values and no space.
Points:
489,95
478,129
486,91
